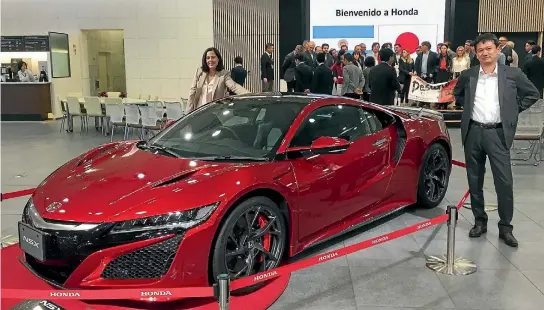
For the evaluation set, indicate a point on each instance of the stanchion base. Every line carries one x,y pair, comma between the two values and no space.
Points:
461,266
487,208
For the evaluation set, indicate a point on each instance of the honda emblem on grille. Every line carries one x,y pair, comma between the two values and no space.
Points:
53,207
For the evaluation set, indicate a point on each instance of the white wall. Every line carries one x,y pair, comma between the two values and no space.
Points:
164,39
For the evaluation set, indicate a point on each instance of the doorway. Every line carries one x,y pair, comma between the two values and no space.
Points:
104,59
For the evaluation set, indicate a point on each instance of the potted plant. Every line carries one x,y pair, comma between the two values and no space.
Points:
122,95
103,94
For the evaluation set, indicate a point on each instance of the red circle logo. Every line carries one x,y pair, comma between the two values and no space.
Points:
408,41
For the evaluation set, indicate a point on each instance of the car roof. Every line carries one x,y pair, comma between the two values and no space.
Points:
290,96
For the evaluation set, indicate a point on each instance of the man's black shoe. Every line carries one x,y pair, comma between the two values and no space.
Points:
477,231
509,239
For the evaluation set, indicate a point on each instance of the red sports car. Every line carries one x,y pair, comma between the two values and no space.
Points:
232,188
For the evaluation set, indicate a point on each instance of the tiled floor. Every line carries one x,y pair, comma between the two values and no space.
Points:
390,276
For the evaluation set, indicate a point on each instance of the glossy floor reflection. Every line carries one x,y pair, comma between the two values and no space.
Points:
390,276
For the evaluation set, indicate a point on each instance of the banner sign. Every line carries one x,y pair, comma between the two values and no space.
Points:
432,93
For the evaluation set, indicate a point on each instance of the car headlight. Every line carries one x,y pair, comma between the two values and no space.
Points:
172,220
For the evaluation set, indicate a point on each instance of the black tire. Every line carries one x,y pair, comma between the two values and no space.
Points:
434,177
232,233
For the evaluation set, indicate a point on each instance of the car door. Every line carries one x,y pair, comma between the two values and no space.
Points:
334,185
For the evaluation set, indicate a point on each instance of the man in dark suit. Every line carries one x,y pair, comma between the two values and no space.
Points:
329,60
239,73
427,63
309,54
383,79
303,75
534,69
528,47
493,95
322,82
506,50
267,68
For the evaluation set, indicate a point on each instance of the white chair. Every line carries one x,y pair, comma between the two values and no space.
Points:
115,113
144,97
74,109
173,110
530,129
150,120
94,109
132,118
159,108
64,113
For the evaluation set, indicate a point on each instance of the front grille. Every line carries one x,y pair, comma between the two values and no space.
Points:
147,263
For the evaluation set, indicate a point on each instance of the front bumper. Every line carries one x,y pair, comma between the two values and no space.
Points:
96,259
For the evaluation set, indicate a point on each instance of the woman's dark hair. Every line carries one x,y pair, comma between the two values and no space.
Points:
338,59
375,44
370,62
220,65
21,63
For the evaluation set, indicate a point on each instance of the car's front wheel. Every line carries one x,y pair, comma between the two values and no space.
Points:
251,240
434,176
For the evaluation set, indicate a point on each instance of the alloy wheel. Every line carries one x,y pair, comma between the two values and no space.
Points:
254,243
436,175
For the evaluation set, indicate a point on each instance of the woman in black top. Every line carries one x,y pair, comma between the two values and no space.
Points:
406,70
444,65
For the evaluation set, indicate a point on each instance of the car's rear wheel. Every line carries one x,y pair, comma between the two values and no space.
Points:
251,240
434,176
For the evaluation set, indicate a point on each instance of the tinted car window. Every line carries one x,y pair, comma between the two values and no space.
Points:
339,121
249,127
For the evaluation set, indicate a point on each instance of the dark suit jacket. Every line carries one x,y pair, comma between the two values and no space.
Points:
309,60
239,75
288,67
432,63
322,82
507,51
534,69
516,94
267,67
329,60
383,84
303,77
404,71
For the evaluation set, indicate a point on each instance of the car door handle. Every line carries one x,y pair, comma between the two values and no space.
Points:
379,142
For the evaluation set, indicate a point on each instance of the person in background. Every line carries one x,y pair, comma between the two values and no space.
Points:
427,63
357,60
354,81
460,62
211,81
288,68
239,73
267,68
303,75
418,50
338,73
450,51
24,74
444,65
370,62
515,58
384,83
506,51
322,82
474,61
406,70
43,75
329,59
469,50
534,69
528,46
375,51
334,54
309,53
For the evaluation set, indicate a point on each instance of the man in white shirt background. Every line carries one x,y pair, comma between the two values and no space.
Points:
492,96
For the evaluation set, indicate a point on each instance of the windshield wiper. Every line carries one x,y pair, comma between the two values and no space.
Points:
228,158
160,148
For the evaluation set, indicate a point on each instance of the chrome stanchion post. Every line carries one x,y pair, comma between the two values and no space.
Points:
223,291
448,264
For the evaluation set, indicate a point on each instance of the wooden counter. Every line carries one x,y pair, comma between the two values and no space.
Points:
25,101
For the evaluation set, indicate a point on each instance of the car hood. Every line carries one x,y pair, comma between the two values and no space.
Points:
121,181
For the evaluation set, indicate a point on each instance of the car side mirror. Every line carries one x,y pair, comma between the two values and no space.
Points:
329,143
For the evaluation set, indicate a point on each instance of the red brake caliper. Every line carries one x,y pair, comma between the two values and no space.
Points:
266,238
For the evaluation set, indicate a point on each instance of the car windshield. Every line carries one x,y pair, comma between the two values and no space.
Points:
231,128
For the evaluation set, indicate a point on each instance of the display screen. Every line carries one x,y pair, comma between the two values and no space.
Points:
60,55
396,21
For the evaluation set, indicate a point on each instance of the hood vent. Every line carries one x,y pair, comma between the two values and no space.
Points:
175,179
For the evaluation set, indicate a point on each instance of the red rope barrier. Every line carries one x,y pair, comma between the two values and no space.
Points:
195,292
10,195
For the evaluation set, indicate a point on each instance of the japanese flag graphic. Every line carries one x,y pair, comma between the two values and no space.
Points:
408,36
